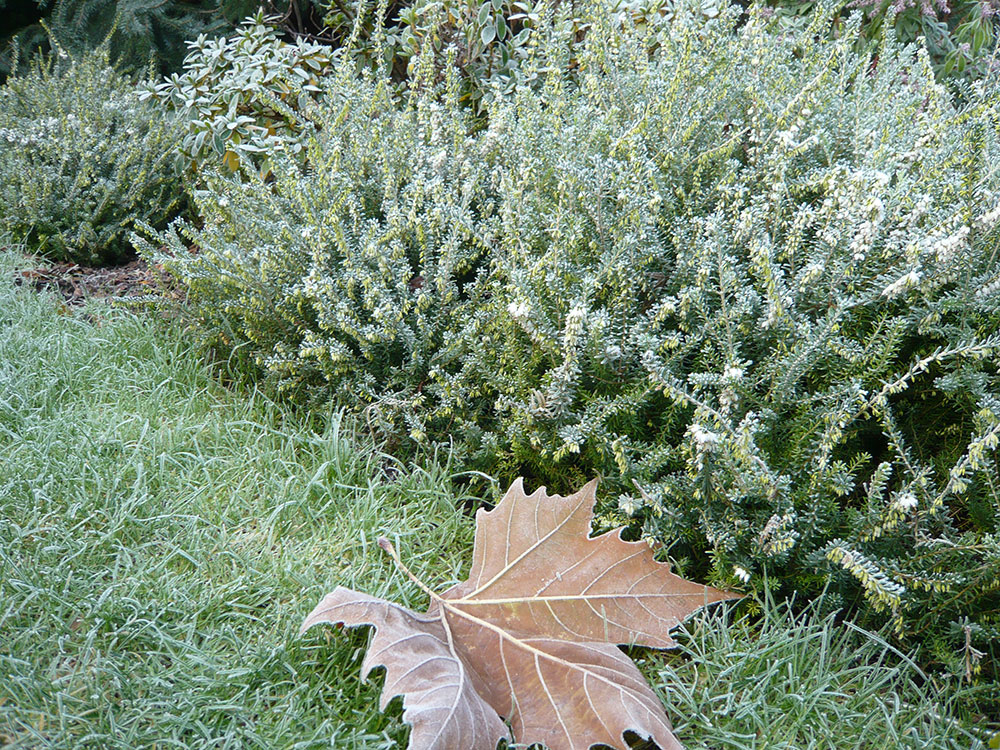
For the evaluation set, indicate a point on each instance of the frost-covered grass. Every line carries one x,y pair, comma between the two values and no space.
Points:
787,681
161,540
162,537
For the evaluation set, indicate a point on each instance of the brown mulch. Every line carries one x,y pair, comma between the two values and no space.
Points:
76,284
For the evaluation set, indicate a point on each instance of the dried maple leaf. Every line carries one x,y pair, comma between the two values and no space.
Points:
531,635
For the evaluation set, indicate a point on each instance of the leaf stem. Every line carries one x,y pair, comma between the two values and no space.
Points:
387,546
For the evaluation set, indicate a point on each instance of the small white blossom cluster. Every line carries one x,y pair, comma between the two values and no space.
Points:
946,247
991,288
988,220
905,501
574,326
904,282
733,373
706,440
864,239
519,310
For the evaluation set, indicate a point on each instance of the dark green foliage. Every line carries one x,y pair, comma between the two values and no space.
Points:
961,35
81,158
140,30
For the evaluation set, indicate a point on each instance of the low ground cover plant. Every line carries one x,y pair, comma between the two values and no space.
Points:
748,277
82,158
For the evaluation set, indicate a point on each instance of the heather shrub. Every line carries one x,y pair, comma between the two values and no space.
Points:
351,267
750,278
81,157
752,281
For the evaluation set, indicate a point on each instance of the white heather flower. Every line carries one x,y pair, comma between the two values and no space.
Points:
576,316
920,210
992,288
707,440
733,373
906,501
811,272
947,247
518,310
726,399
862,241
786,138
989,219
904,282
741,573
877,208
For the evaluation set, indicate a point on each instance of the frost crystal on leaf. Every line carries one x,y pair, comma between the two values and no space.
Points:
530,637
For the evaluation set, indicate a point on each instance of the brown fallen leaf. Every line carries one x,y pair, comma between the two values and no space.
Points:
530,636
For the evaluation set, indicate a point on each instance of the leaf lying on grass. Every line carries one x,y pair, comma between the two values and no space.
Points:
530,636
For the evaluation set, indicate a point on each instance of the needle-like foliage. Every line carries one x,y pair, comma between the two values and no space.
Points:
81,158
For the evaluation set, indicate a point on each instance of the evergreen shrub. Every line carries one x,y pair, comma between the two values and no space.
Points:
81,157
753,282
242,96
351,266
139,30
960,35
750,278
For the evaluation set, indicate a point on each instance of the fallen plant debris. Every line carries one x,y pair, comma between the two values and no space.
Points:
530,637
75,283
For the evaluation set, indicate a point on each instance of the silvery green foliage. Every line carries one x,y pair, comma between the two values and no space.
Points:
242,96
495,44
81,158
355,270
748,277
752,280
